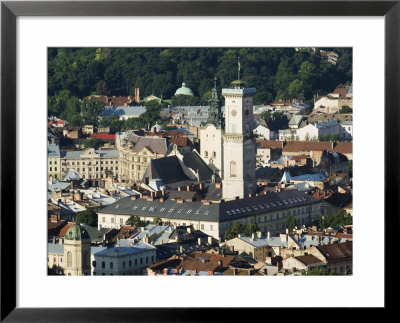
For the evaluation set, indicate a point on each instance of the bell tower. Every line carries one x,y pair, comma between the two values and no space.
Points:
77,252
239,146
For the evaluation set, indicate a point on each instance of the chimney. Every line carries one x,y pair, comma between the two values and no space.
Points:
201,186
180,249
163,192
60,241
259,234
210,273
199,241
150,198
133,197
179,201
179,189
268,235
141,195
287,230
218,185
165,271
161,199
189,230
206,202
209,240
232,248
252,236
137,96
188,188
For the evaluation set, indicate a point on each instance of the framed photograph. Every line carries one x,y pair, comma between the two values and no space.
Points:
33,33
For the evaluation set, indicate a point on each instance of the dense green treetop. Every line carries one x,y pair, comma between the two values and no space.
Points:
275,72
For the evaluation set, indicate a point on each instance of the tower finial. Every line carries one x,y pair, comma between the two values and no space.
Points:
238,68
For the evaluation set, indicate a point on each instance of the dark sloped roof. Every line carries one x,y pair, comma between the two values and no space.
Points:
309,260
337,251
197,211
195,162
168,169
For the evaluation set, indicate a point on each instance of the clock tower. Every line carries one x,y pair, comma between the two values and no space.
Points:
239,146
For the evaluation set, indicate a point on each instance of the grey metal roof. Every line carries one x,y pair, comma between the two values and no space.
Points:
57,186
124,111
216,212
265,242
55,248
53,150
101,153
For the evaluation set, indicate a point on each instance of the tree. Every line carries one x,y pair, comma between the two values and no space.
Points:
101,88
95,143
157,221
345,109
316,271
339,218
296,90
238,228
266,114
291,222
88,217
135,220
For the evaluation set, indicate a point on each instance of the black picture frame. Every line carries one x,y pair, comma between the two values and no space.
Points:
10,10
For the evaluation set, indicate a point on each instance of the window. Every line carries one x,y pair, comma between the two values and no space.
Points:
123,264
206,154
51,169
50,162
233,169
55,168
103,264
211,227
141,261
135,262
130,263
121,221
147,260
60,260
201,226
111,265
112,220
214,154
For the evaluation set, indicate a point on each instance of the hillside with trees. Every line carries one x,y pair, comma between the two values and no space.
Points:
277,73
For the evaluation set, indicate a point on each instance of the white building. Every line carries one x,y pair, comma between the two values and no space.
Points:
127,257
311,132
211,148
346,130
239,146
263,132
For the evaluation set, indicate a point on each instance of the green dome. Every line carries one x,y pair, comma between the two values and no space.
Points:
76,232
184,90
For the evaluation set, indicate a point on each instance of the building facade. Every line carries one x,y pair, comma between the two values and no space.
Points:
77,252
91,164
136,153
53,162
269,211
125,258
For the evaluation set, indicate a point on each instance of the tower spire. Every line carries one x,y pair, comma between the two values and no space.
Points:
238,68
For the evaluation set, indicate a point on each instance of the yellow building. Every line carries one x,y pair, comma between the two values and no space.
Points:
53,162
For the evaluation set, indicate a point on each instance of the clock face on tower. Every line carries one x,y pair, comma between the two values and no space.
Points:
233,113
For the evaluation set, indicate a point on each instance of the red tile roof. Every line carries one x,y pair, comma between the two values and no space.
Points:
341,91
298,146
270,144
64,230
103,136
309,260
344,147
337,251
116,101
179,141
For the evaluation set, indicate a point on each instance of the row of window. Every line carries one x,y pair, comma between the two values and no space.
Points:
89,163
214,154
111,264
